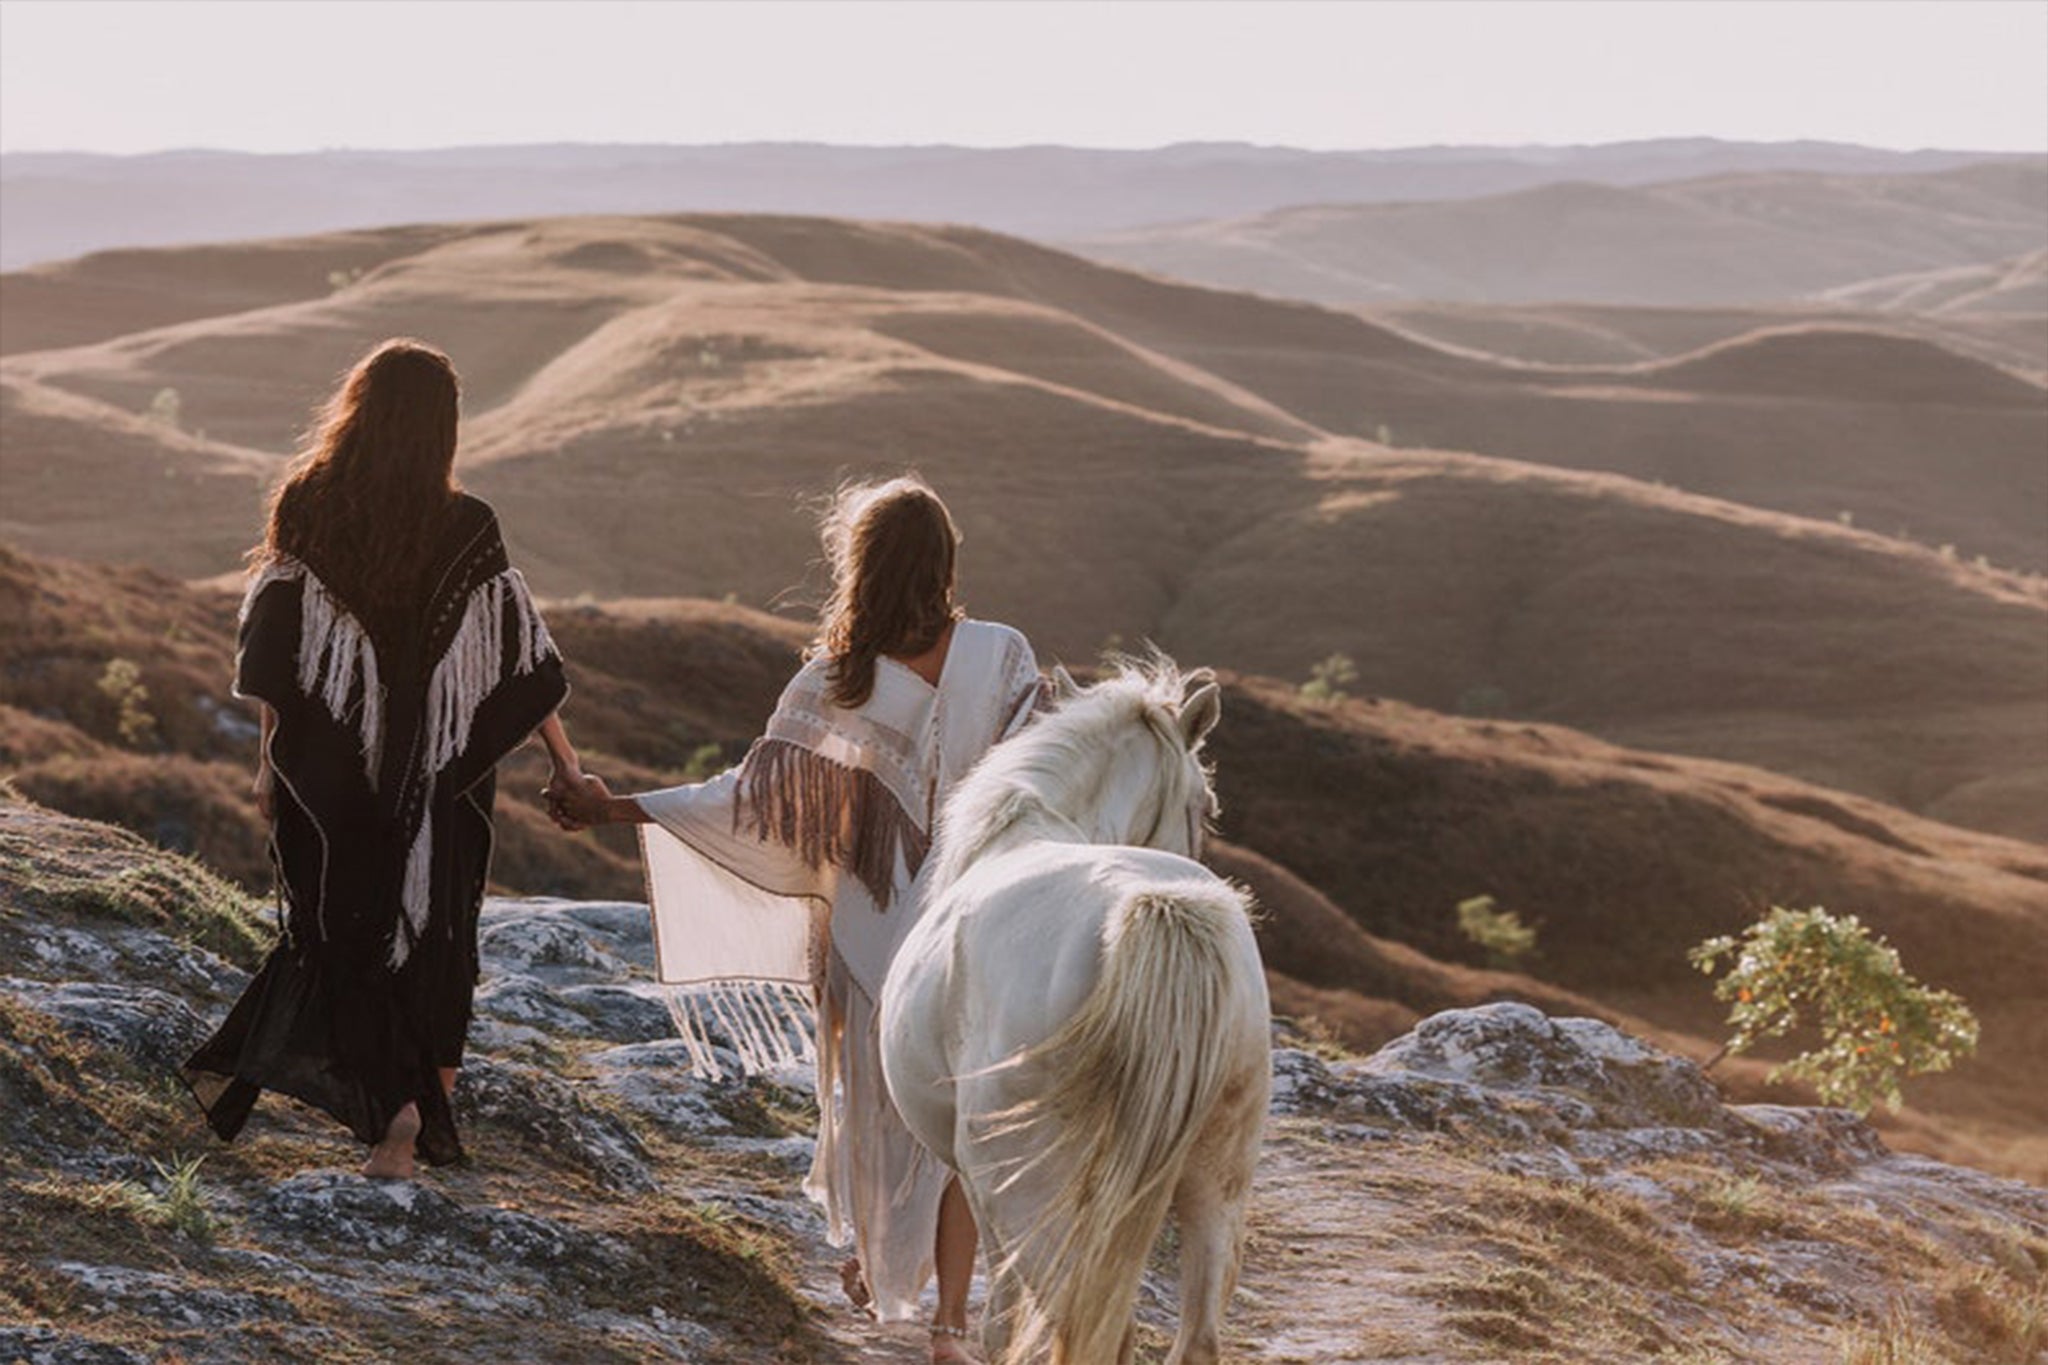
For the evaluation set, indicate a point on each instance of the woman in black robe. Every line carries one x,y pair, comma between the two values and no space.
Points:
398,656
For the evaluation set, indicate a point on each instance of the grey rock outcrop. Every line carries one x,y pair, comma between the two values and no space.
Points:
619,1206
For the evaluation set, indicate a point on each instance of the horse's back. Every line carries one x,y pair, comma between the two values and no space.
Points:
1030,929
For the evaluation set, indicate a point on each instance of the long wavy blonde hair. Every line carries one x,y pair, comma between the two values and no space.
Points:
892,548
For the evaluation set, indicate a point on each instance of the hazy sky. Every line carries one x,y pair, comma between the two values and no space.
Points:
289,75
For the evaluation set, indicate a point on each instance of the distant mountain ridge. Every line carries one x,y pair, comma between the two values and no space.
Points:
1724,239
63,204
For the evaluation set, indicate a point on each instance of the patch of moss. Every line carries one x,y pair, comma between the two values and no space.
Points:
43,1072
159,890
706,1262
761,1108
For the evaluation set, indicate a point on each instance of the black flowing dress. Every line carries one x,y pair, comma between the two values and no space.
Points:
384,750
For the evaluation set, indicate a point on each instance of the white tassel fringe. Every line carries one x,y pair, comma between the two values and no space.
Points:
767,1023
418,894
337,661
468,672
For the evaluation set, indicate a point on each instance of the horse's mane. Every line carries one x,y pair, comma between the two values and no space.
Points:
1055,764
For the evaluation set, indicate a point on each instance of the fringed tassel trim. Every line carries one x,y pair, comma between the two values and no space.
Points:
416,894
337,662
767,1024
468,672
471,667
828,812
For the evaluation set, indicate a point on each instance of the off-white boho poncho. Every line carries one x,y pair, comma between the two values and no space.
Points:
785,885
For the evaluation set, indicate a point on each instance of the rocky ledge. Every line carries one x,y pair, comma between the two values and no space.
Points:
1495,1185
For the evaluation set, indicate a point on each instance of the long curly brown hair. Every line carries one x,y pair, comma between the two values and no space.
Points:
891,547
363,501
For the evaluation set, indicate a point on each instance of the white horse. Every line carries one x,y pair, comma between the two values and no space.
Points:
1078,1022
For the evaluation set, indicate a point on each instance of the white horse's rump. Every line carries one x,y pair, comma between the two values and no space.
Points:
1078,1023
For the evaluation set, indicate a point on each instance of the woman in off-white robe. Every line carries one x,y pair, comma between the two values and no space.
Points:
791,879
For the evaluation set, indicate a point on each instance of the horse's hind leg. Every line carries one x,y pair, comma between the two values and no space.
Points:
1209,1230
1209,1209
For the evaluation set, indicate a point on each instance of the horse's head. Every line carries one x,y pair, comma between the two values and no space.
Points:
1133,744
1119,761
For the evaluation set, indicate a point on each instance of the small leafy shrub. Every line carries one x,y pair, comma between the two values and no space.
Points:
1328,680
181,1207
166,408
1744,1205
1483,699
121,684
1877,1024
705,761
1499,933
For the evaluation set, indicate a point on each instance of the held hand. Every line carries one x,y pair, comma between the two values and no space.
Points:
561,778
561,781
264,789
580,804
588,802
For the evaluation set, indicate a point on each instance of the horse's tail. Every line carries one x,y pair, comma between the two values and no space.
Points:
1134,1074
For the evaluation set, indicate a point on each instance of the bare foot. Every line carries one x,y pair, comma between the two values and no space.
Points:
949,1350
392,1159
854,1283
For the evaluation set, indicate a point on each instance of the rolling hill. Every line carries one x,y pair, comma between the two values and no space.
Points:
1135,459
1711,242
1613,336
2002,288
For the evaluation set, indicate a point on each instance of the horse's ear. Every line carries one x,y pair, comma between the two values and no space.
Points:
1064,688
1199,714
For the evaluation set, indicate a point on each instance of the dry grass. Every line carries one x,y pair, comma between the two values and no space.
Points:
1993,1315
1898,1339
1554,1270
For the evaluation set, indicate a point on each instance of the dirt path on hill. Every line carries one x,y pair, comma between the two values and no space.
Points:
1335,1273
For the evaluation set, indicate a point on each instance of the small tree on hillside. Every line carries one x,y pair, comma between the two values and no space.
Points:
121,683
1499,933
1328,679
706,761
166,408
1877,1024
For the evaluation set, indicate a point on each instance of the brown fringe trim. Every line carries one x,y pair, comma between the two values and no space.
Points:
828,813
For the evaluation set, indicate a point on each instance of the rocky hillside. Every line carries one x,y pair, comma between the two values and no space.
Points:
1370,819
1496,1184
